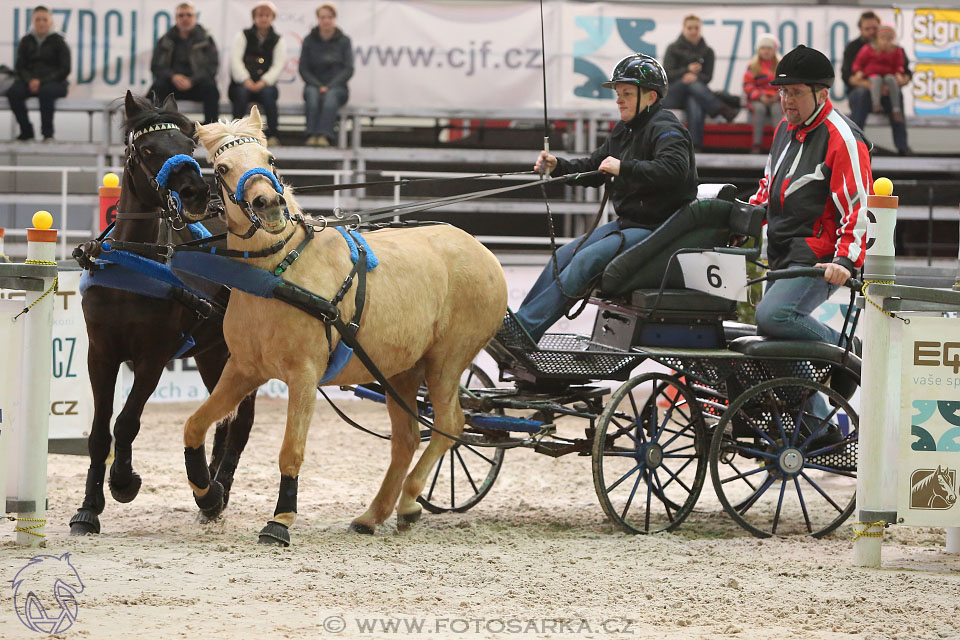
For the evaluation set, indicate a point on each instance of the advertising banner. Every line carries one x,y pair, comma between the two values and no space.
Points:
487,55
929,457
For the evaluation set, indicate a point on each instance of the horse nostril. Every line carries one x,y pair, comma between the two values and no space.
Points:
259,202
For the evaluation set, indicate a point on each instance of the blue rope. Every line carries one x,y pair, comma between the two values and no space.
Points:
257,171
198,231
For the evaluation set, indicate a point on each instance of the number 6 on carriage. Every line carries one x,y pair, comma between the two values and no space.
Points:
718,274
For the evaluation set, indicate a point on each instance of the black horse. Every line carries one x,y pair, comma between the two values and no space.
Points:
157,199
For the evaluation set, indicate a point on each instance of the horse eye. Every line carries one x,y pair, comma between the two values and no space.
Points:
222,169
147,151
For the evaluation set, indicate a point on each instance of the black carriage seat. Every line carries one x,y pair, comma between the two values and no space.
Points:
631,313
844,376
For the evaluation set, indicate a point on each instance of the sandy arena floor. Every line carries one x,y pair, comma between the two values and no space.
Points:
537,550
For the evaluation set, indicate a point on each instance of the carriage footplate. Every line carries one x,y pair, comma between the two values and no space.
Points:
511,342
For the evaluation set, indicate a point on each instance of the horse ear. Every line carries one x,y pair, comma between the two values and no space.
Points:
169,103
255,118
130,105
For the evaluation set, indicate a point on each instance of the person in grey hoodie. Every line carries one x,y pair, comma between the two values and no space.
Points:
185,62
689,64
326,63
43,64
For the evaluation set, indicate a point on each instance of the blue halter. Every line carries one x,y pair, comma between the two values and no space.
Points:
164,176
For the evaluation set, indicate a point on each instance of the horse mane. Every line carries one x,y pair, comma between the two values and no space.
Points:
150,113
923,482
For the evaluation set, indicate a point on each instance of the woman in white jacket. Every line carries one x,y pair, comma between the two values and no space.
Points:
259,55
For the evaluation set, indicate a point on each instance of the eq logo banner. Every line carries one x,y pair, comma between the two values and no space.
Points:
936,89
935,417
936,34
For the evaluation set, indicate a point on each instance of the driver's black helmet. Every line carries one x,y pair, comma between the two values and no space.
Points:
642,70
804,65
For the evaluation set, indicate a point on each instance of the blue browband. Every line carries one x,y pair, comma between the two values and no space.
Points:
257,171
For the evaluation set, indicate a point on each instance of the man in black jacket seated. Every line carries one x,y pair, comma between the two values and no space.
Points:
689,66
185,63
43,64
649,168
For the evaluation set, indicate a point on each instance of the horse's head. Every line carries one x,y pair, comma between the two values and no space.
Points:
244,169
160,160
945,484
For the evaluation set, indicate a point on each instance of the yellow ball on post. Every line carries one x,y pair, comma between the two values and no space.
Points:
111,180
42,220
883,187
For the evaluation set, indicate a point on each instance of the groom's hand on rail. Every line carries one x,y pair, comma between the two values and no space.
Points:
834,273
546,163
610,165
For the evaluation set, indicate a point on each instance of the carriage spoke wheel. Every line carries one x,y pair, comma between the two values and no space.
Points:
464,474
649,449
784,460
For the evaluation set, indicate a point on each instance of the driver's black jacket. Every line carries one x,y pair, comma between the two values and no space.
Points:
658,171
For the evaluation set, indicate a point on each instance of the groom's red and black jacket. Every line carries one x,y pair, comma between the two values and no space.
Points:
815,188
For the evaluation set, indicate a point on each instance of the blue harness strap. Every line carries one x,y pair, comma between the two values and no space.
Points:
134,262
353,238
115,276
172,163
338,360
226,271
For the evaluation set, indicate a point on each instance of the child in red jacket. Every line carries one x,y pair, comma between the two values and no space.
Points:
762,98
881,62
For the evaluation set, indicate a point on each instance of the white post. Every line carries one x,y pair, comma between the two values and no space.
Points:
35,394
953,539
873,461
64,187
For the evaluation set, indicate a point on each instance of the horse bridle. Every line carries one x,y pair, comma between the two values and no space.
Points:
170,203
237,195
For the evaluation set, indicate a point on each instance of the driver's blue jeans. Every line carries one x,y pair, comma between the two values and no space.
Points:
785,312
546,302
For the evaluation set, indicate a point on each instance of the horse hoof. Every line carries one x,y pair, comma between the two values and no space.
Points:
211,504
128,492
275,533
406,520
362,529
84,522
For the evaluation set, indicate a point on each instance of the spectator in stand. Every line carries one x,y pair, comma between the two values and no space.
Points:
326,63
43,64
762,97
858,88
689,65
185,63
258,57
881,62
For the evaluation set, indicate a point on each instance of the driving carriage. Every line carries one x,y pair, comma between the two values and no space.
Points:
771,419
699,391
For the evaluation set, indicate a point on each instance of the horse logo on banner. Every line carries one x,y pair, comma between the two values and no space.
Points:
45,594
933,488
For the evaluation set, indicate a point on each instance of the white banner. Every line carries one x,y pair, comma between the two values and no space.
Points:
484,55
718,274
929,456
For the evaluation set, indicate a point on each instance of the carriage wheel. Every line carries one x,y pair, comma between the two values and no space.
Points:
465,474
777,468
649,454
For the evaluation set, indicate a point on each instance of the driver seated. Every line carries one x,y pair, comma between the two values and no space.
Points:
648,166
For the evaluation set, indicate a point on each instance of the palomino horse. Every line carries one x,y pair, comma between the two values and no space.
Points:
124,326
433,302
